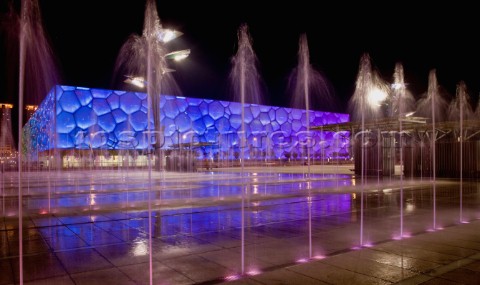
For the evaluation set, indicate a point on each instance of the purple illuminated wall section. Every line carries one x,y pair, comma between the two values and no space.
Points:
88,118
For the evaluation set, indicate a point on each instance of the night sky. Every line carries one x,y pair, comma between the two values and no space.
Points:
87,35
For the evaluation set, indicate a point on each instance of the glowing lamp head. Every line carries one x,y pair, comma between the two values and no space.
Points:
166,35
135,80
178,55
376,96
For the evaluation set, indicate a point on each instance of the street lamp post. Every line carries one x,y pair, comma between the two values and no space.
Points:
155,71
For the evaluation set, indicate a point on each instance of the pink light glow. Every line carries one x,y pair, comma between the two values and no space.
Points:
232,277
302,260
253,272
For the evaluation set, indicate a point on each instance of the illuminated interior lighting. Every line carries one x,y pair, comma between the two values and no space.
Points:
31,107
6,105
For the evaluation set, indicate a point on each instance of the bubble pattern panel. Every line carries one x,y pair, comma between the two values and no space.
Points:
88,118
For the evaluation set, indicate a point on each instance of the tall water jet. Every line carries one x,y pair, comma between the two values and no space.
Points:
305,86
362,87
432,106
246,87
308,87
142,61
365,105
401,103
370,92
245,69
37,74
460,109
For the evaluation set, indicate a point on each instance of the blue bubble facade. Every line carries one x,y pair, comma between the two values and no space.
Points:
87,118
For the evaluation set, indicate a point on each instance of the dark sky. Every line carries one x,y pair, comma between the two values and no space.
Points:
86,36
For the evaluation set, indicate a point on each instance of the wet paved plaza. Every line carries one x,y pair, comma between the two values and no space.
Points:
115,227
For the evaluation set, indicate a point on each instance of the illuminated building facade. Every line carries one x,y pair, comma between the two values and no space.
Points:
7,143
77,118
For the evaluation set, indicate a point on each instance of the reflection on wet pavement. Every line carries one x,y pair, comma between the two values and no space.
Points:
98,227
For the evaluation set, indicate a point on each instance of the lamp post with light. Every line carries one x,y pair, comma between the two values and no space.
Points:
154,40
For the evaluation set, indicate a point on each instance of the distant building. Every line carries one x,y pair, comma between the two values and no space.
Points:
74,123
29,111
7,144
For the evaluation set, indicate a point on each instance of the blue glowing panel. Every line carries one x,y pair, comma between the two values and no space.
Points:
101,106
236,121
235,108
183,122
119,115
107,122
130,103
182,104
216,110
69,102
77,117
208,120
114,101
256,126
297,125
255,110
85,117
194,101
84,95
194,112
66,123
170,108
139,121
281,116
169,127
264,118
101,93
65,141
248,116
296,114
199,127
222,125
